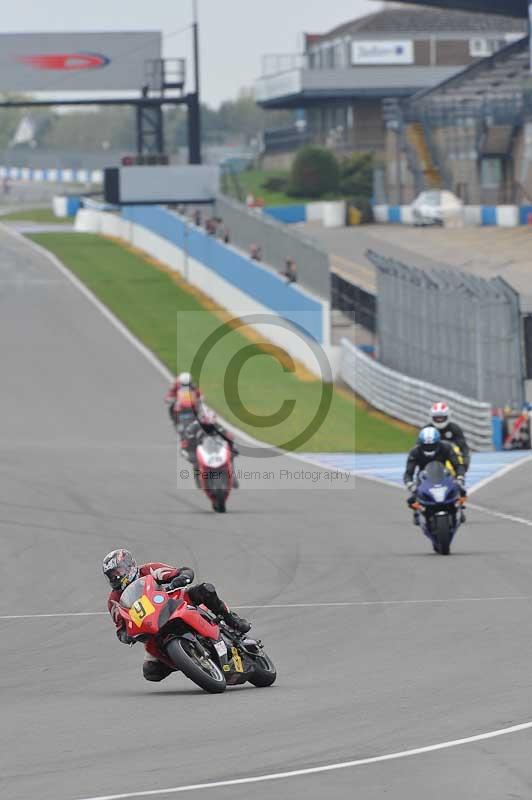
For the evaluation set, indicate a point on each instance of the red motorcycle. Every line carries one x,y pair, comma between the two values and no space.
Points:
191,640
214,461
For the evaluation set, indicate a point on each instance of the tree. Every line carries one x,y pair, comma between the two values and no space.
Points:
315,172
357,175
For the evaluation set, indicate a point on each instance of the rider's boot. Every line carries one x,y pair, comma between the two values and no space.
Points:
417,518
462,515
206,593
238,624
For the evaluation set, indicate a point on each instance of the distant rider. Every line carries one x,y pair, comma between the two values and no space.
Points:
449,431
121,569
206,424
183,394
429,448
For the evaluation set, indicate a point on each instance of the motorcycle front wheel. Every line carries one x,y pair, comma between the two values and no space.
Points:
199,668
442,532
264,673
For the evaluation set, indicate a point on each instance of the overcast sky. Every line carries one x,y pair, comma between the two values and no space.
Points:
234,33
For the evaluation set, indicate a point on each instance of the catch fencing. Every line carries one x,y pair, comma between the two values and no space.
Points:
451,329
251,228
409,399
354,302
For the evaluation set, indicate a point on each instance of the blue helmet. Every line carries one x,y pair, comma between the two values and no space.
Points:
429,438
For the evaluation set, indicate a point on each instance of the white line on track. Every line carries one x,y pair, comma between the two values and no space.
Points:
298,773
499,474
501,515
341,604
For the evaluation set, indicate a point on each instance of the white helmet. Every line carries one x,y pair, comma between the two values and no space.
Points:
185,378
439,414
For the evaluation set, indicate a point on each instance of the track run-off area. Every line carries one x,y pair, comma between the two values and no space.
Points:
399,672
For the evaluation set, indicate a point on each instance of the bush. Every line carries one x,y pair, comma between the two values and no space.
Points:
315,172
356,176
276,183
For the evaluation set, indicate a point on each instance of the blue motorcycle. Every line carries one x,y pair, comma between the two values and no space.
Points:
438,499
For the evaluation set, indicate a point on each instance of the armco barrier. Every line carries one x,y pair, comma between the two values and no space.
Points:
408,399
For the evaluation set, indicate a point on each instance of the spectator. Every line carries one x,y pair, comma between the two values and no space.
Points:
255,252
223,232
290,271
197,218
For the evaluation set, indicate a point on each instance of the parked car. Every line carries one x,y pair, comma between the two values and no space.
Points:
437,207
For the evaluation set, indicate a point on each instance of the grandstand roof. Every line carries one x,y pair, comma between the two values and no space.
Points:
428,20
512,8
500,75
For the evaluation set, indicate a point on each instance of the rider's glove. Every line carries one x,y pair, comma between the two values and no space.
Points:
460,479
123,636
410,485
180,582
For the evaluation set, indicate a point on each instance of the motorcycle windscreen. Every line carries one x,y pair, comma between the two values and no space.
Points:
436,473
132,593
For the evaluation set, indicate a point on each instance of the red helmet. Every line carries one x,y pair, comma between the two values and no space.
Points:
120,569
439,414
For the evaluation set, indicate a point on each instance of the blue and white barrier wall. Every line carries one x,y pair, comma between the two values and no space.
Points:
52,175
330,213
66,205
225,274
501,216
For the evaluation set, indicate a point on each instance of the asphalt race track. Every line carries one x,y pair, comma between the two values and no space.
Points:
87,463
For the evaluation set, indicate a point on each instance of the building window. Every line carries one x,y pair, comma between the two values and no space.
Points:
480,47
340,60
491,173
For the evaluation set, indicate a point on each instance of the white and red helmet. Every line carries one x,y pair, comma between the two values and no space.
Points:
207,419
439,414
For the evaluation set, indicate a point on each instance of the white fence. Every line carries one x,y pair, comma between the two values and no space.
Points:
409,399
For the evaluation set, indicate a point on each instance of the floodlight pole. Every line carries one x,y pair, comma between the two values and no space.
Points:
194,110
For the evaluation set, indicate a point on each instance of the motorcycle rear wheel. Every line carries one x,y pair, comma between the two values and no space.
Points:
265,672
442,532
201,671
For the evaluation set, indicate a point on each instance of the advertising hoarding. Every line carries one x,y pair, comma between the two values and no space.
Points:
382,52
48,62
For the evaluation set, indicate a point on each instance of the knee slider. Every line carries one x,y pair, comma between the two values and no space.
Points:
153,671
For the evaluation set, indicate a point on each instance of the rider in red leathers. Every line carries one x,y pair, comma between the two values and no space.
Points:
121,569
182,394
206,424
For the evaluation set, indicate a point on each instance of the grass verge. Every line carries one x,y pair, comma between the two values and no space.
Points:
155,305
45,216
